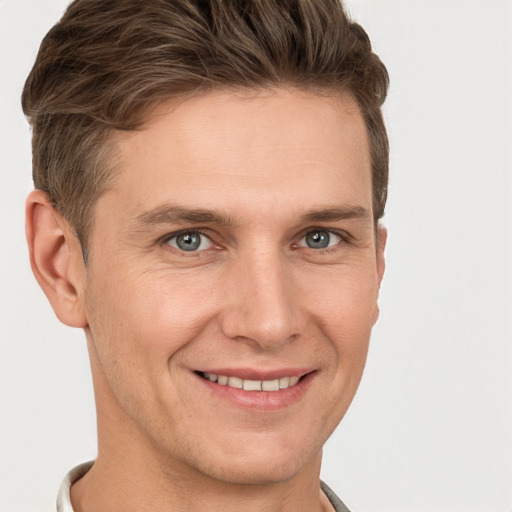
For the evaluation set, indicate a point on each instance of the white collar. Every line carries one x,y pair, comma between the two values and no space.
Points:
63,498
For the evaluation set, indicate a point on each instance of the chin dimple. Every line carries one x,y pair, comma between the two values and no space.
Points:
251,385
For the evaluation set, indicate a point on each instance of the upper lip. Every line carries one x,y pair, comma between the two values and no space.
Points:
255,374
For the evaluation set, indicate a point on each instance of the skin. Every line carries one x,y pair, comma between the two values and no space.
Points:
254,297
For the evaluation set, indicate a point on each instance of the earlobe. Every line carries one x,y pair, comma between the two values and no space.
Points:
55,258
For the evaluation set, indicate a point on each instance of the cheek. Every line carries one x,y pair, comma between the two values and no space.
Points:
136,327
149,316
344,304
345,314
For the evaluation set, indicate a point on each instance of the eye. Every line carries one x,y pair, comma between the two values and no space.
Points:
190,241
320,239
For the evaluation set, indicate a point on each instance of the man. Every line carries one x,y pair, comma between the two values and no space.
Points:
209,182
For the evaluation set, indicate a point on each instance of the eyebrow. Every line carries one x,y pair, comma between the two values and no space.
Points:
171,214
336,214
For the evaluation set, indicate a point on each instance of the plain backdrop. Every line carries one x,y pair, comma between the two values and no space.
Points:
431,427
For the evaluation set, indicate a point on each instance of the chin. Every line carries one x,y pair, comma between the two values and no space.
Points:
259,465
247,473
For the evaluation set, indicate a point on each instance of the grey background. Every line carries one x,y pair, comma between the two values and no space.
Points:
430,429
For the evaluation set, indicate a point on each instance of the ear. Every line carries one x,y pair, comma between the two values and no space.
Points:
56,259
382,237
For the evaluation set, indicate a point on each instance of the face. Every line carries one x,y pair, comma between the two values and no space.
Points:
232,283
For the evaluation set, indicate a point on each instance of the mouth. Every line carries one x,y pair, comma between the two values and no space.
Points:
258,391
236,382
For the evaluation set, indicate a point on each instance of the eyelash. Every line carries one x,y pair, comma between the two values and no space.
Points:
345,238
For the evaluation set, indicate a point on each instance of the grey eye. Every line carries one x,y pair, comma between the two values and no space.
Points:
190,241
319,239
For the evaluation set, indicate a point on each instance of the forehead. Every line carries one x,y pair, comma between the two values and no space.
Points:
246,148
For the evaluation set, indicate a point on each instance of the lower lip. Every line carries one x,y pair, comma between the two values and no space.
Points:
261,400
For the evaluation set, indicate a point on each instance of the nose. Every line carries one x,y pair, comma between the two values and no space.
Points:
262,302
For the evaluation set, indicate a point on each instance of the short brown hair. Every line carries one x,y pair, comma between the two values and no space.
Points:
107,63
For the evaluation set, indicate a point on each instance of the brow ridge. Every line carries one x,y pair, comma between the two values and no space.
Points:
173,214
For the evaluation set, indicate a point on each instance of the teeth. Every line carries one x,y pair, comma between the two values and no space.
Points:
235,382
252,385
284,382
270,385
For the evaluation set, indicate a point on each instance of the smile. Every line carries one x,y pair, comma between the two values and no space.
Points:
251,385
